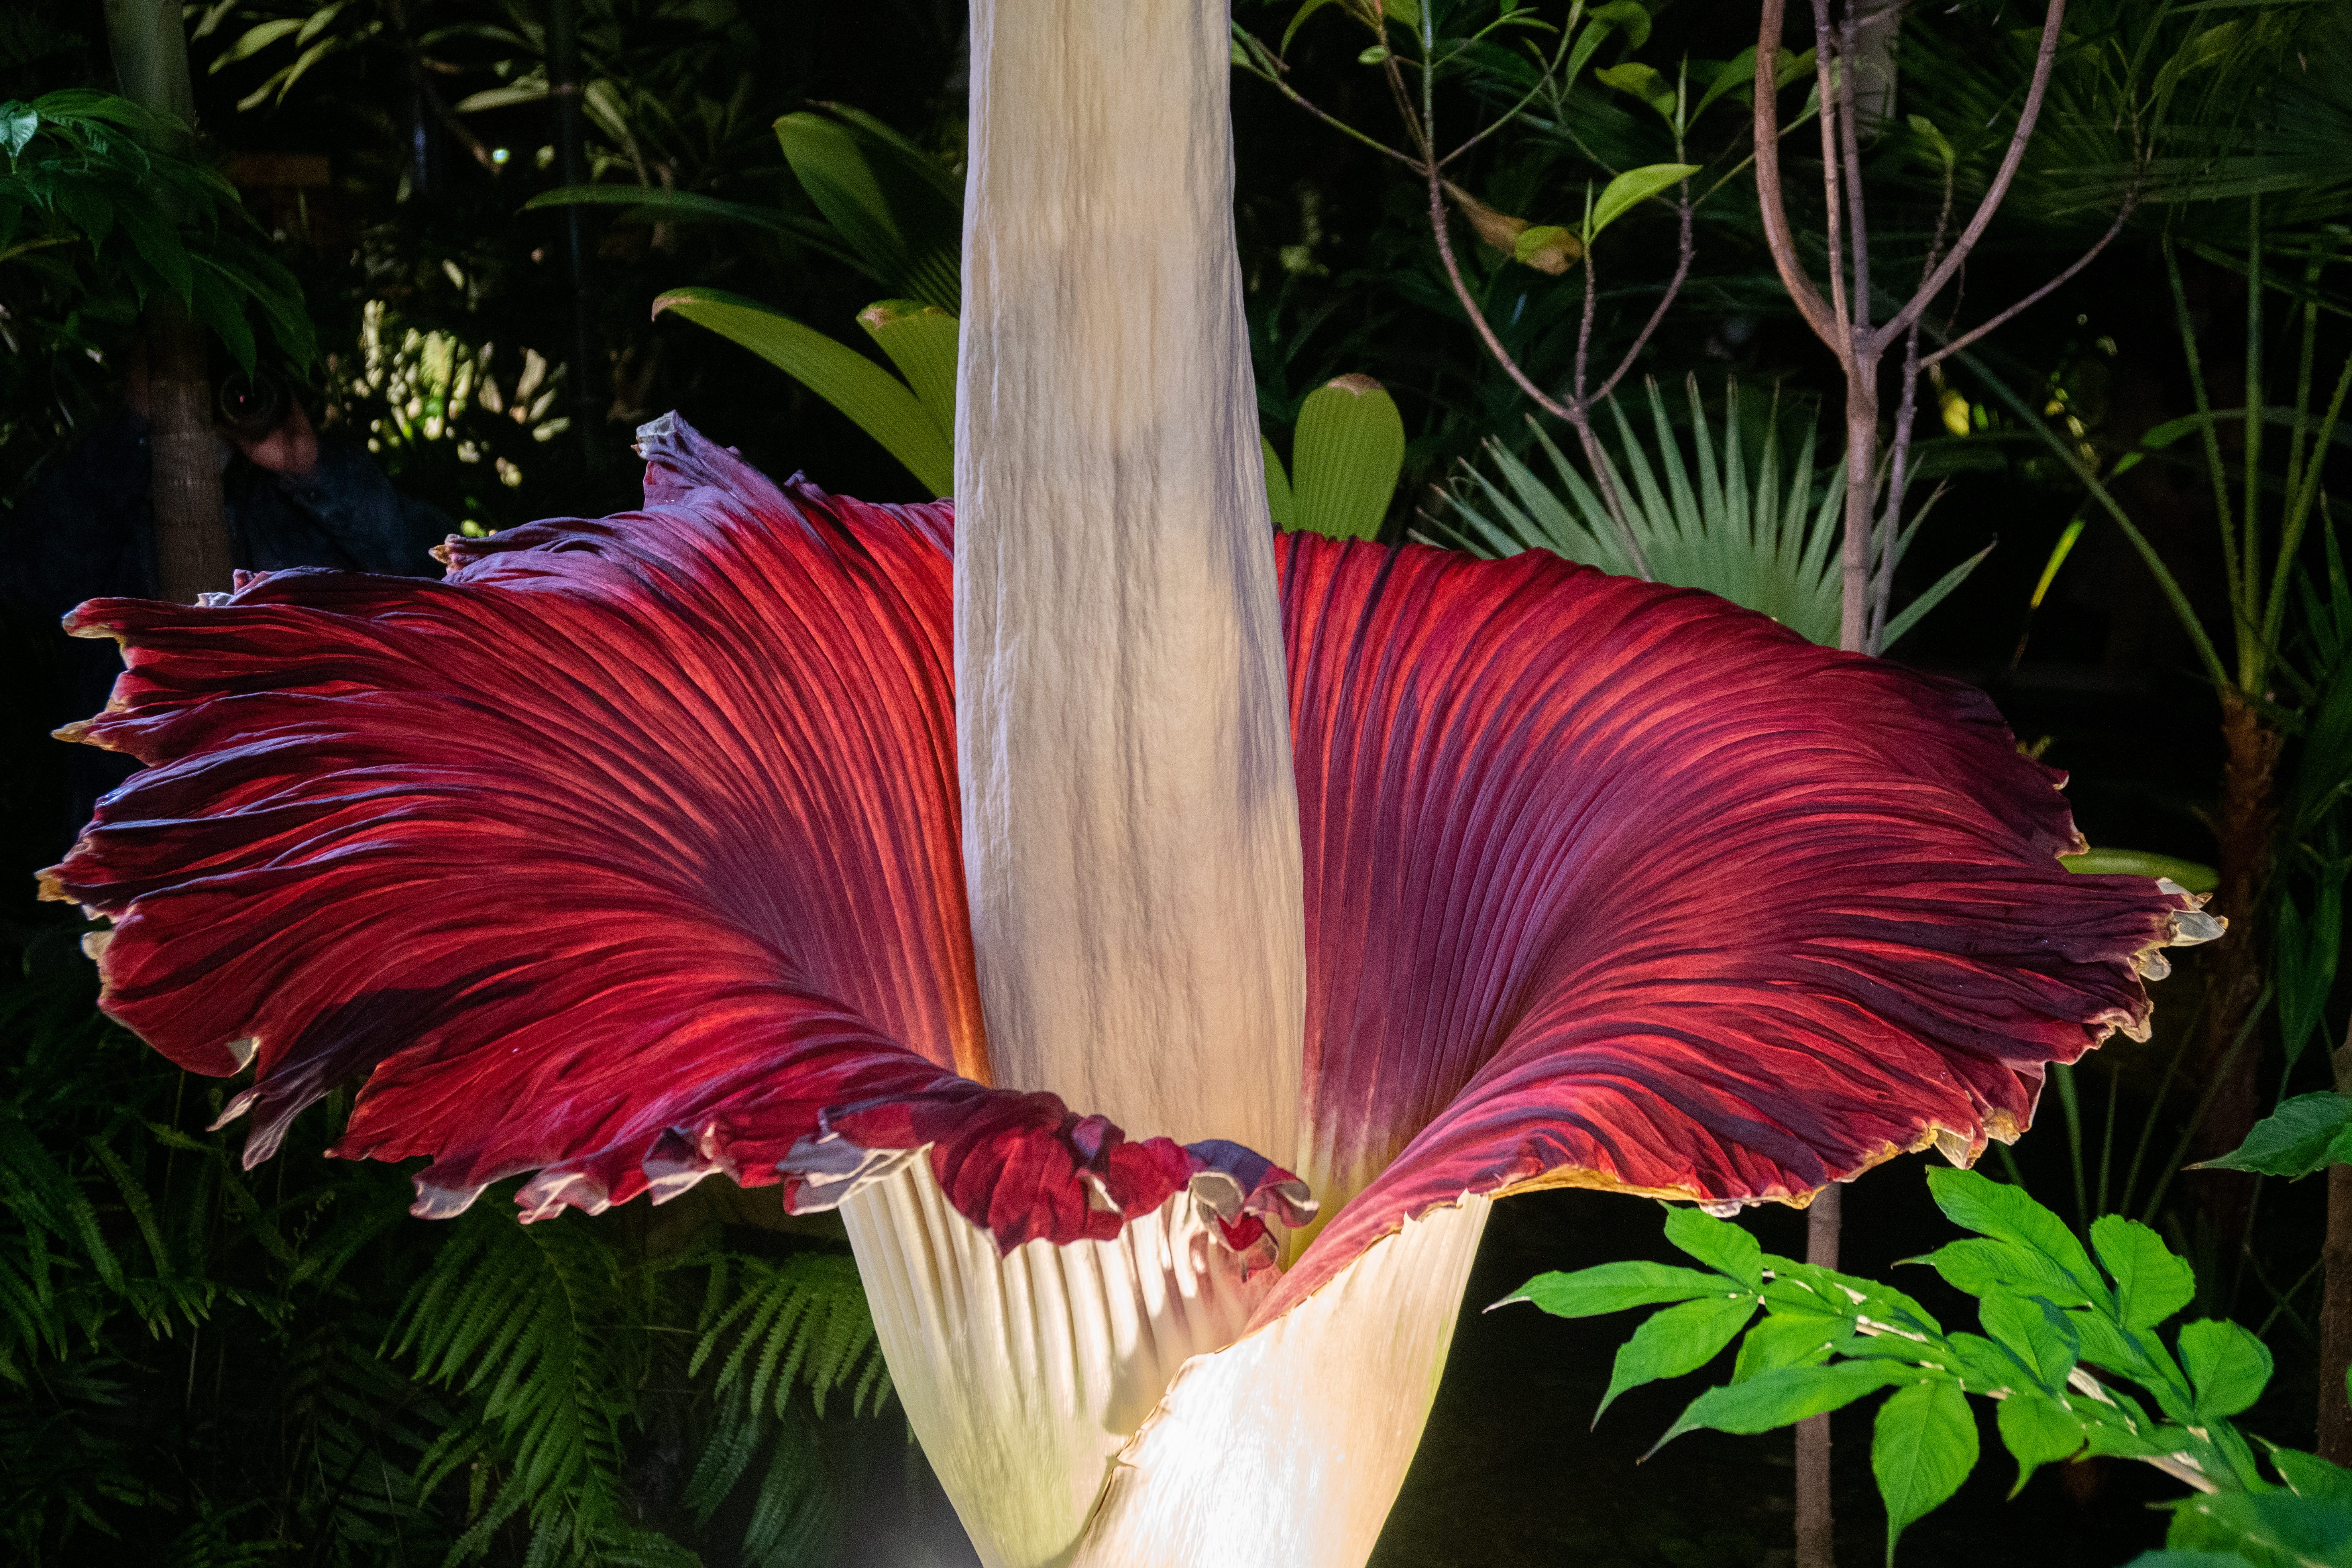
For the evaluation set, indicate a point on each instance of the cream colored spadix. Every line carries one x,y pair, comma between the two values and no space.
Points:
1131,826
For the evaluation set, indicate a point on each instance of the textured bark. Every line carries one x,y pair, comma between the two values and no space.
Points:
2335,1300
2249,815
1816,1533
191,544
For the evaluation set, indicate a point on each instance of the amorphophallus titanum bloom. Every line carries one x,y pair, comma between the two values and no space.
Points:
775,835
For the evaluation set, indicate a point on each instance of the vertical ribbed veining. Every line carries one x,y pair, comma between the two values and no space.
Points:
1024,1374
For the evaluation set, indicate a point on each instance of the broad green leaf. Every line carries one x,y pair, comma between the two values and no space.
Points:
1980,1267
2182,1557
2270,1529
1788,1339
875,400
1925,128
1985,1365
1785,1397
17,122
1613,1288
1718,1243
1278,503
1345,458
921,341
1810,1289
2038,1431
2192,875
1629,188
2152,1282
2035,1332
1922,1448
1678,1340
1405,12
2307,1133
2227,1366
1548,247
2308,1475
1643,81
1739,71
1978,1203
1629,16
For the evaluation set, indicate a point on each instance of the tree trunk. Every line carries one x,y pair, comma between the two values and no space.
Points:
191,544
1816,1532
2336,1299
2229,1057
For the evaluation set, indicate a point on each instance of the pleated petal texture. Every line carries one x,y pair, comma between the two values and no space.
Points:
1617,885
1024,1373
1320,1410
624,854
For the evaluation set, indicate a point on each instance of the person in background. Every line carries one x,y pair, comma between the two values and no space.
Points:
82,527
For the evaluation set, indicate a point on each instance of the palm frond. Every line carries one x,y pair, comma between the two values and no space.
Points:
1704,520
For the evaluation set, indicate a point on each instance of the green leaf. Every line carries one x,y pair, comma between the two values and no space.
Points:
1643,81
876,401
1345,458
1738,72
2038,1431
1298,19
2270,1529
1612,1287
2035,1332
1629,16
2307,1133
1785,1397
2152,1282
1788,1339
2227,1366
1718,1243
17,122
1922,1448
1631,188
2192,875
1978,1203
1547,247
2308,1475
1935,594
1925,128
1405,12
1278,503
2175,1558
921,341
1982,1267
1674,1342
883,200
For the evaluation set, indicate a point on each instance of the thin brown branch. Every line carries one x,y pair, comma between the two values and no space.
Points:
1850,157
1833,191
1687,251
2114,228
1982,218
1771,207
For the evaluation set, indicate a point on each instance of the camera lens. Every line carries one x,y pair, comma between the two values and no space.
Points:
253,406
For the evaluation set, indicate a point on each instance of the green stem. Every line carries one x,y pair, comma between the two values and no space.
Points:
2214,469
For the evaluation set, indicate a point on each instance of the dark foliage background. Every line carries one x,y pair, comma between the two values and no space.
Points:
199,1363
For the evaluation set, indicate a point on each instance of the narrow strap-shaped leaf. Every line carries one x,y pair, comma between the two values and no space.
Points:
878,403
921,341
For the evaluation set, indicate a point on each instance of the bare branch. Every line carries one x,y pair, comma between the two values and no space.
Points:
1956,344
1982,218
1771,207
1850,150
1832,185
1687,251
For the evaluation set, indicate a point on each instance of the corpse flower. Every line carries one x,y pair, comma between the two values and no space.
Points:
1065,884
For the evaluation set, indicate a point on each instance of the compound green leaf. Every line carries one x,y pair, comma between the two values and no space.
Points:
1718,1243
1922,1448
2038,1431
2035,1332
1613,1288
1785,1397
2227,1366
1678,1340
2152,1281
